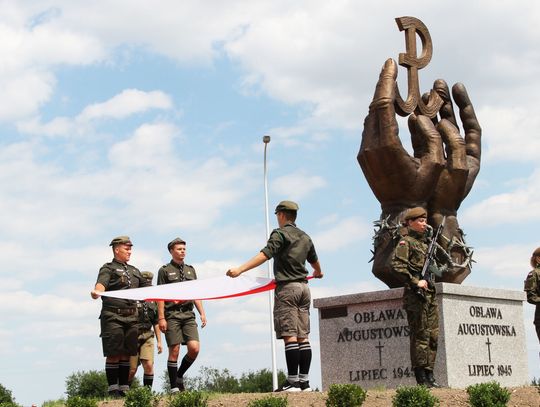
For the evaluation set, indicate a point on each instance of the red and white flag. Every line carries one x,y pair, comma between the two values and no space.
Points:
204,289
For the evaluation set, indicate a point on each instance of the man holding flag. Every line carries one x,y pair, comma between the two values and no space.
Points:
291,248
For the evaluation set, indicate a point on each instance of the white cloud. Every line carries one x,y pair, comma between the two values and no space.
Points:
508,130
342,234
253,347
523,203
251,315
250,238
297,185
150,145
23,304
323,289
59,126
510,261
79,260
128,102
145,177
121,106
212,268
29,53
23,92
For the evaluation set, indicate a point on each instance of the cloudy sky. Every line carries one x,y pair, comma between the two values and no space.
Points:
146,118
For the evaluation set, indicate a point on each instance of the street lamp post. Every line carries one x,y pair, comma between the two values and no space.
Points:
266,140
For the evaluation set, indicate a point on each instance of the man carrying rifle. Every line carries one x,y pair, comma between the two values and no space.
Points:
409,259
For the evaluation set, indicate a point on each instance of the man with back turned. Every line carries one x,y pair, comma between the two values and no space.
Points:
291,248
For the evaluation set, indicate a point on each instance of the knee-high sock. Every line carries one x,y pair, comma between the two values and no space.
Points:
184,366
148,380
172,370
123,375
111,371
305,360
292,357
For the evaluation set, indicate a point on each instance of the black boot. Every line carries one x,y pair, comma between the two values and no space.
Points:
420,375
430,379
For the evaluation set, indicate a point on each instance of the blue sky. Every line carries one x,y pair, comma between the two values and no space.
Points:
146,119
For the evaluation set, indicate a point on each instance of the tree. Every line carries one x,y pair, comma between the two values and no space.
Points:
87,384
211,379
6,399
259,381
223,381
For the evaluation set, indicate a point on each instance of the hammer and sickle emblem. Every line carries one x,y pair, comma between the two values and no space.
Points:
409,59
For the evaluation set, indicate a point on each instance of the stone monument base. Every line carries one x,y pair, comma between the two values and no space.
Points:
365,338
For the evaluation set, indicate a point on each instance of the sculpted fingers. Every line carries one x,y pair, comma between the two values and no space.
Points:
430,140
417,140
384,91
455,145
473,132
447,109
384,129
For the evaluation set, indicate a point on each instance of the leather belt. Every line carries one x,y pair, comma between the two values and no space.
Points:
299,280
122,311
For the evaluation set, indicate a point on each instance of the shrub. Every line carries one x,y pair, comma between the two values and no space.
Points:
259,381
414,396
345,395
188,399
91,384
222,381
214,380
54,403
489,394
269,401
536,382
139,397
77,401
5,397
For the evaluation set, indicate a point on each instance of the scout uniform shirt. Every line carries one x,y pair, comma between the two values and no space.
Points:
119,276
175,273
290,247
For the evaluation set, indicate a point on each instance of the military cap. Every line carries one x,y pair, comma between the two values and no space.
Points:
536,252
176,240
286,206
121,240
414,213
147,275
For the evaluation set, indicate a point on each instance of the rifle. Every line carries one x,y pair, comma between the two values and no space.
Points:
426,273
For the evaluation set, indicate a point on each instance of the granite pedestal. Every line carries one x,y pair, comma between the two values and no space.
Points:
365,338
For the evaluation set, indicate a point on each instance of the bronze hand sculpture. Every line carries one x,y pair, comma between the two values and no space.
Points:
438,176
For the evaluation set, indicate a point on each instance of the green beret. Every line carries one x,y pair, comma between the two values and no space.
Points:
536,252
147,275
414,213
121,240
176,240
286,206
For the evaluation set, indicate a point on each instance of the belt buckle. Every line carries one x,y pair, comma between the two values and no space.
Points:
126,311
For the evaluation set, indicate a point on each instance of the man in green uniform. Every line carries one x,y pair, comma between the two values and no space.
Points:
118,316
532,288
176,318
290,247
148,327
422,310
